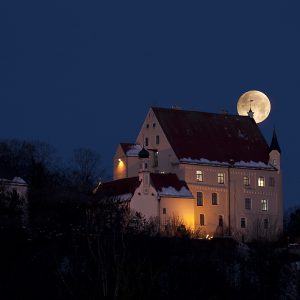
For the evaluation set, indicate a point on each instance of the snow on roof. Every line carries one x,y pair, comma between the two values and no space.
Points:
14,181
131,149
134,150
123,197
171,191
212,136
170,185
239,164
18,180
119,190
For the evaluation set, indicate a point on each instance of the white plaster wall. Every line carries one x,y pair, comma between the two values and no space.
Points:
181,207
128,167
147,204
166,156
238,193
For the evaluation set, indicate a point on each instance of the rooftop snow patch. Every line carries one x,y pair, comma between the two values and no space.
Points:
238,164
123,197
171,191
134,150
18,180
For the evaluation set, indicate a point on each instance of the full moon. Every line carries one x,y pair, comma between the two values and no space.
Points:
258,102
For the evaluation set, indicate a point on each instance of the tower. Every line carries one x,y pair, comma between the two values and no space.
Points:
144,173
274,152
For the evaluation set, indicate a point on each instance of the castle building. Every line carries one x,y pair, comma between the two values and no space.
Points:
215,172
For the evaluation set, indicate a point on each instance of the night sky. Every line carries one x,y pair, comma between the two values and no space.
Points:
84,73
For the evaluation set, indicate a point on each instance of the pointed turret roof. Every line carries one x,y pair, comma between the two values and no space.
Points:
274,143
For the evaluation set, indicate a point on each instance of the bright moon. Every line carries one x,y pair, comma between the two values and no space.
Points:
259,103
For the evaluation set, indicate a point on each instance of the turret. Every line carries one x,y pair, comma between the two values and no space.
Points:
144,174
274,151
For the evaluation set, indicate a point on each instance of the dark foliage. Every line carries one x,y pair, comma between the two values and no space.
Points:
76,246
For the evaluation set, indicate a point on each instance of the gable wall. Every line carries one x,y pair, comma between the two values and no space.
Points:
166,156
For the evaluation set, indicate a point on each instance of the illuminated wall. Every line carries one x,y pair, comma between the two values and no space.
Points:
181,207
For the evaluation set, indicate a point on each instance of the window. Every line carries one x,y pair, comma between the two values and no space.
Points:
261,181
243,222
248,204
146,141
221,178
214,199
266,223
153,125
264,205
164,210
220,220
199,199
274,162
157,139
246,181
199,176
271,181
147,125
201,219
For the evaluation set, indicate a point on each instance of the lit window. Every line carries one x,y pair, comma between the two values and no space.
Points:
199,176
201,219
221,178
214,199
199,199
264,205
146,141
157,139
246,181
164,210
243,222
220,220
261,181
266,223
248,203
271,181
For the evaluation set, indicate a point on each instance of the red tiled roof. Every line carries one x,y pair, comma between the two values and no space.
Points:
118,187
160,181
216,137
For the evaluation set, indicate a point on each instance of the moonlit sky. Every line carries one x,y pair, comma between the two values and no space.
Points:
84,73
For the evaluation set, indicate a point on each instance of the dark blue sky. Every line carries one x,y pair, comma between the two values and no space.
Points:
84,73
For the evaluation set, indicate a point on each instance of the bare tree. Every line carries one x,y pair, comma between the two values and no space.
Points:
85,168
